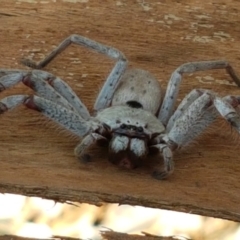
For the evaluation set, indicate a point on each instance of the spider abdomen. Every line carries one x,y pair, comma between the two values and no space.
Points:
138,88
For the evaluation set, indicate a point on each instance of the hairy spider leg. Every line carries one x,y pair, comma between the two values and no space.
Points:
183,106
9,78
70,120
227,107
87,141
45,85
167,155
200,114
169,100
106,94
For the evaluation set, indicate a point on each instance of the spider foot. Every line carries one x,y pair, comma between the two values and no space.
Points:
160,175
3,108
29,63
85,158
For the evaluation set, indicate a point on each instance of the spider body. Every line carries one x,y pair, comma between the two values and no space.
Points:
131,114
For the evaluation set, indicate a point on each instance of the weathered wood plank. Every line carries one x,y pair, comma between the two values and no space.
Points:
37,159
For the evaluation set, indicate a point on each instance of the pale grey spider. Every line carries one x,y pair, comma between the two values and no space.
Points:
130,114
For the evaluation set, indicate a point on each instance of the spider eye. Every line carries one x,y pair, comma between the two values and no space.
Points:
140,129
123,126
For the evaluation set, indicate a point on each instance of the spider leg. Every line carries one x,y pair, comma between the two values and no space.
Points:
89,140
185,103
68,119
105,96
9,78
226,107
166,152
56,90
200,114
11,102
200,111
169,100
194,120
45,85
44,90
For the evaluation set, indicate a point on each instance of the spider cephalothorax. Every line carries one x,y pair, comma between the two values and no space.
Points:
131,130
131,114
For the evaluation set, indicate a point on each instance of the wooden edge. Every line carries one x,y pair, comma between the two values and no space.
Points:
111,235
74,197
106,235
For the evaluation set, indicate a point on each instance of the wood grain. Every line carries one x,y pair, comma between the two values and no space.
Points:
37,157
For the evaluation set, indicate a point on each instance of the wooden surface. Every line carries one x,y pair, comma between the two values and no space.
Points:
37,157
